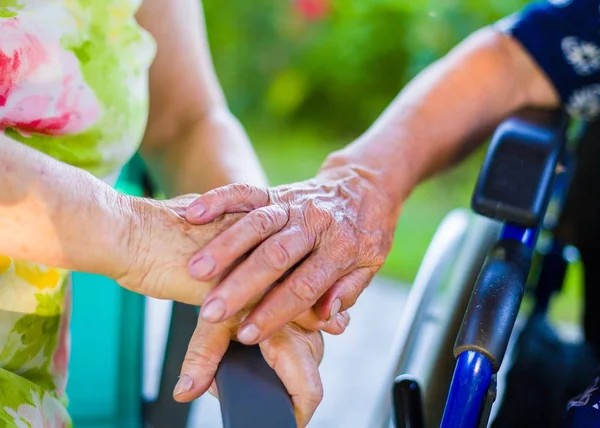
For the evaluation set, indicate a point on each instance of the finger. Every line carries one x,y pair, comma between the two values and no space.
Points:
344,293
336,325
231,198
295,356
289,299
205,351
257,273
219,254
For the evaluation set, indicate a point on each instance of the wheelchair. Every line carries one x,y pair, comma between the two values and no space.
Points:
488,259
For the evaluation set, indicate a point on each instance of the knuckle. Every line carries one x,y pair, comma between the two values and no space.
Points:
262,221
199,354
273,347
306,287
221,192
276,256
314,394
314,341
268,220
243,191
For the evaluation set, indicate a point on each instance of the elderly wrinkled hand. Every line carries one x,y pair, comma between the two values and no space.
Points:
327,237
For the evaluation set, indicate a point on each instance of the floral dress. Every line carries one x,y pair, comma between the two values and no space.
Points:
74,85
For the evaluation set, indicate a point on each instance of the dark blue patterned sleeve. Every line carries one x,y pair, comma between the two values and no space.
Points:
563,37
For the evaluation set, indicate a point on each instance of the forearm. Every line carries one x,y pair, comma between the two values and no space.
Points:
58,215
446,111
192,142
212,152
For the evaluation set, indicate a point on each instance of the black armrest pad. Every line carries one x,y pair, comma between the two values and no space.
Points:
515,182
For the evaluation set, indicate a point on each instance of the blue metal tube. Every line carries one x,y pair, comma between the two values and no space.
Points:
470,383
518,233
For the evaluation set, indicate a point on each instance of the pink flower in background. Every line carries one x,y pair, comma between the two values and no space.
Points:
41,87
313,10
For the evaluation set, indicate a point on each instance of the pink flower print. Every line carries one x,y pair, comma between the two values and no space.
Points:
42,89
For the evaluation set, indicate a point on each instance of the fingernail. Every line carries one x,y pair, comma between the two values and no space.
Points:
184,384
196,211
335,307
343,319
202,267
213,310
248,334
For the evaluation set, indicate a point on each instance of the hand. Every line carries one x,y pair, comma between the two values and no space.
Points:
334,232
294,354
161,243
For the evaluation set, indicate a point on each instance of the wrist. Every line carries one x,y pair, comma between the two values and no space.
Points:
396,183
129,214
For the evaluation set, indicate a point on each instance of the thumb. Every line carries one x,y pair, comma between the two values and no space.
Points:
345,291
205,351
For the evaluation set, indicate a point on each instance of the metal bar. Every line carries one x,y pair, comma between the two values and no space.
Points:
470,383
518,233
408,404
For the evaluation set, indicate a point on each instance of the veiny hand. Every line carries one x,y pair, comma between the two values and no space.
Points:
161,243
334,232
294,354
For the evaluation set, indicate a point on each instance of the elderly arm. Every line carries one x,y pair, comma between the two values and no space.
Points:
446,111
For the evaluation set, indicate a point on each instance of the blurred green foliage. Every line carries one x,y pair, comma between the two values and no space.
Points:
338,72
